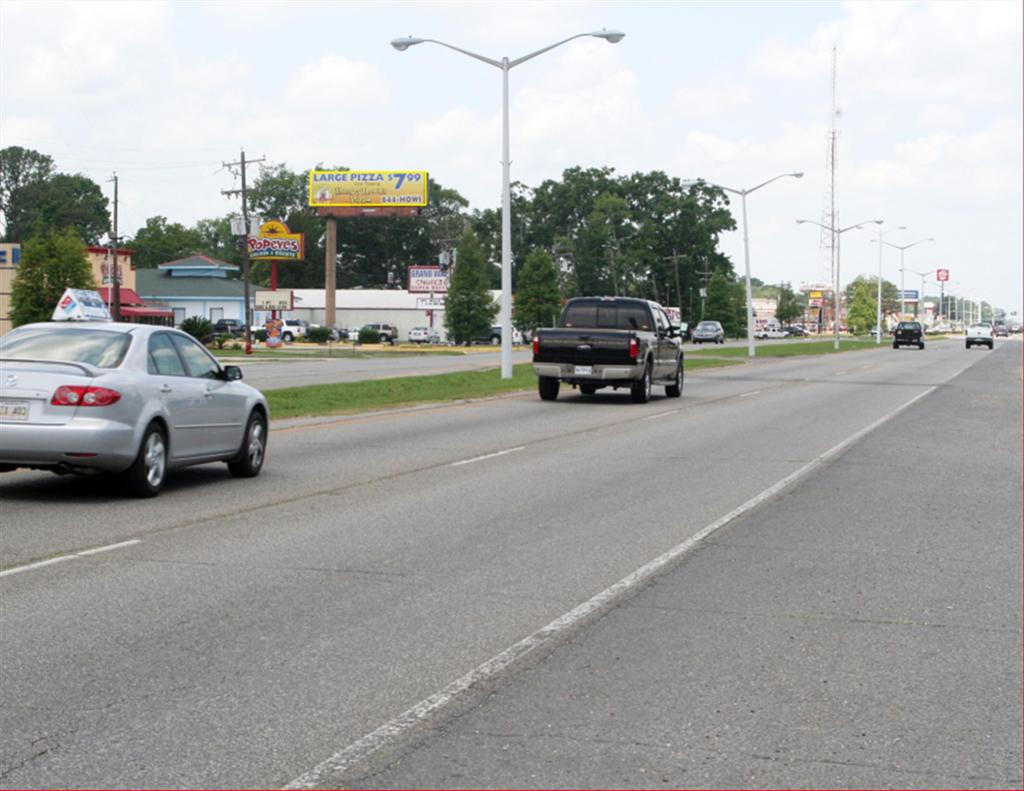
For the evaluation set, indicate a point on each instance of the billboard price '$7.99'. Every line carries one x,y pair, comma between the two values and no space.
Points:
367,188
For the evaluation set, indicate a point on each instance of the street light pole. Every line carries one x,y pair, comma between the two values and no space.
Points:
920,296
746,246
878,312
837,233
903,296
402,44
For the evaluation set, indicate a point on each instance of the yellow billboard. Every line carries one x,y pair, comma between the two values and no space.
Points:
367,188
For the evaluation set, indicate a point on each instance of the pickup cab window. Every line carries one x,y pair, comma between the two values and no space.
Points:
595,315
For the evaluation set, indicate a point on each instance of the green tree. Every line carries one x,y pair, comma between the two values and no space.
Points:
720,304
49,264
788,307
863,307
538,299
160,241
738,292
469,310
18,167
56,203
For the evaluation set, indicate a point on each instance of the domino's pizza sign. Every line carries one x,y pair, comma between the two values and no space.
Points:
78,304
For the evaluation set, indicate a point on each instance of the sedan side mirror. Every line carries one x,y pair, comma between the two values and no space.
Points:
232,373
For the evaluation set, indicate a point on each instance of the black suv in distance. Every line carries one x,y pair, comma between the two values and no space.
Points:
229,327
908,333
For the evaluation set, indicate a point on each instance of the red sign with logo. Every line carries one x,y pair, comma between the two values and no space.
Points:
942,275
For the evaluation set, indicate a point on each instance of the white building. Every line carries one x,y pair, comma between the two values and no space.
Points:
357,307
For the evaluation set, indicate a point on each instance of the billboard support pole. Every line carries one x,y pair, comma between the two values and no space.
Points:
330,271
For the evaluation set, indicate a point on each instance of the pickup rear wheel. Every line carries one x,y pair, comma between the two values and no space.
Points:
676,390
641,391
547,386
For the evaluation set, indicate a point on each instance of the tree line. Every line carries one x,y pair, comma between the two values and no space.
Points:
590,232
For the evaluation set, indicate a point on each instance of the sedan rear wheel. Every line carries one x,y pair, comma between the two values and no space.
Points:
249,461
145,478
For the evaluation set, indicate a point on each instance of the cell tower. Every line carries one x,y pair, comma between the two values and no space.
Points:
829,214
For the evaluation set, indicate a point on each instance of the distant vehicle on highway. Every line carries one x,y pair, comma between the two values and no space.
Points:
709,332
133,399
1000,331
796,331
908,333
609,342
770,331
979,334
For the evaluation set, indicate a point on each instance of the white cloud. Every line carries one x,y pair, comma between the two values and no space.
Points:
708,100
335,81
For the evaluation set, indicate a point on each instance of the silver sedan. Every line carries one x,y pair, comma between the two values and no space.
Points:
132,399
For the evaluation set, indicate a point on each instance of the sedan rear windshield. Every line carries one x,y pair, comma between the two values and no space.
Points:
101,348
595,315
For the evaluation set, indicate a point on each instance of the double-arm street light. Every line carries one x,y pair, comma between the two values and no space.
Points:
878,314
903,296
920,295
402,44
746,245
837,233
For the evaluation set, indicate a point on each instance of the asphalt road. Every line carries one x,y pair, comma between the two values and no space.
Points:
259,631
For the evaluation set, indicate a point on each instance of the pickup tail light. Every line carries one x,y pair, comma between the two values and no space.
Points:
536,344
79,395
634,348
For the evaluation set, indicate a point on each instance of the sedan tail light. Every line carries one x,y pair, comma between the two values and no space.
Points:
79,395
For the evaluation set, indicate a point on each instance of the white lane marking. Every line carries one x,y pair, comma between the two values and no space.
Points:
487,456
83,554
752,392
330,769
662,414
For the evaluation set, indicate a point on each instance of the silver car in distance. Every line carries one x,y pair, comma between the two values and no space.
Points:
133,399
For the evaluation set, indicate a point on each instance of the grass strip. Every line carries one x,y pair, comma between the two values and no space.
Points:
372,394
789,349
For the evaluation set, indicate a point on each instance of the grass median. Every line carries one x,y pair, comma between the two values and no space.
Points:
790,349
373,394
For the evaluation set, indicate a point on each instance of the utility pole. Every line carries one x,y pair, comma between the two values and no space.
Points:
247,315
115,273
674,258
704,291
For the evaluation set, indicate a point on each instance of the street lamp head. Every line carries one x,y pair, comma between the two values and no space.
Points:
402,44
801,222
796,175
611,36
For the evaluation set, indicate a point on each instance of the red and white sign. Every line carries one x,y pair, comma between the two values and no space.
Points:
942,275
427,279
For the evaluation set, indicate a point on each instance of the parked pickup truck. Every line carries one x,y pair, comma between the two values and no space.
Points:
609,342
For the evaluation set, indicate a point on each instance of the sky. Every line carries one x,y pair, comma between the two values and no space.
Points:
930,99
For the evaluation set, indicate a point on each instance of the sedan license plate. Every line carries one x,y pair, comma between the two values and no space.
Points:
13,410
583,370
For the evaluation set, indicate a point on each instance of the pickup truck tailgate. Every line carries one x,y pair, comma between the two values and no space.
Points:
584,347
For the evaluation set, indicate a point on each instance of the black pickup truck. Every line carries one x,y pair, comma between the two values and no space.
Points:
609,342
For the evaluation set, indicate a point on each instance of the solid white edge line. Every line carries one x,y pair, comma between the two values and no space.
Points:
84,553
488,456
752,392
374,741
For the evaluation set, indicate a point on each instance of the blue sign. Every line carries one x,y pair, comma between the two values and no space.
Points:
909,296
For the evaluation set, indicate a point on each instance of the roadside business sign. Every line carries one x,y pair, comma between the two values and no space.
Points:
266,299
909,295
430,303
428,279
362,188
276,242
942,275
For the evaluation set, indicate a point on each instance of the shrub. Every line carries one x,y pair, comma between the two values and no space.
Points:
369,335
199,328
318,334
260,335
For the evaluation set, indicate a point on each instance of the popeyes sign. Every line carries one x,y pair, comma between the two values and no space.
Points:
942,275
276,242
